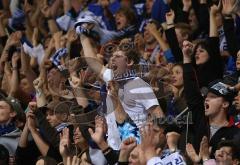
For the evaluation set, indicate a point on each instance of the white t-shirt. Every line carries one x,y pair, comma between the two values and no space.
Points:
137,97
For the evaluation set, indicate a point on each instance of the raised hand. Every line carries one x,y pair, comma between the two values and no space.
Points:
31,121
126,148
186,4
75,81
214,10
14,38
71,35
152,28
64,143
32,106
191,152
170,16
104,3
45,9
187,51
82,29
100,131
27,7
227,6
73,161
149,143
204,149
73,65
38,83
15,58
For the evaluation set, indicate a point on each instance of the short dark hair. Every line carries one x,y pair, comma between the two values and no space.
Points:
230,143
133,55
130,15
185,28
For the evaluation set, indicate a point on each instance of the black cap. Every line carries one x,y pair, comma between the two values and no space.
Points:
219,88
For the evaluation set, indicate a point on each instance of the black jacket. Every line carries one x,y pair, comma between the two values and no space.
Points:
195,102
231,38
207,72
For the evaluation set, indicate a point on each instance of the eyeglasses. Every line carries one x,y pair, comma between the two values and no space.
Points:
111,47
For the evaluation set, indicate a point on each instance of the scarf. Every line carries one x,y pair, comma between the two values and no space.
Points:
129,75
7,128
56,58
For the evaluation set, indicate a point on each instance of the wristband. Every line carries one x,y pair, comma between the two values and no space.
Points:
170,24
227,16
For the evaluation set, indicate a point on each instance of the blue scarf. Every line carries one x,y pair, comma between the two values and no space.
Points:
7,128
56,58
129,75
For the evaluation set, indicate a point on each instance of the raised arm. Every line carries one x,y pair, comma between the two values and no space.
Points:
41,144
26,68
15,74
24,137
172,38
187,4
119,112
153,30
229,28
191,88
213,32
77,82
203,16
213,41
90,55
193,96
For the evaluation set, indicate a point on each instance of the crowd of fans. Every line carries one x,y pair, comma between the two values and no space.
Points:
120,82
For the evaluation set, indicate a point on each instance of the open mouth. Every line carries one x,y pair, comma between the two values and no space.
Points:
219,156
118,24
114,67
196,58
206,106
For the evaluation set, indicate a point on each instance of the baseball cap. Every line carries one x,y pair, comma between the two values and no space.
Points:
219,88
14,104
